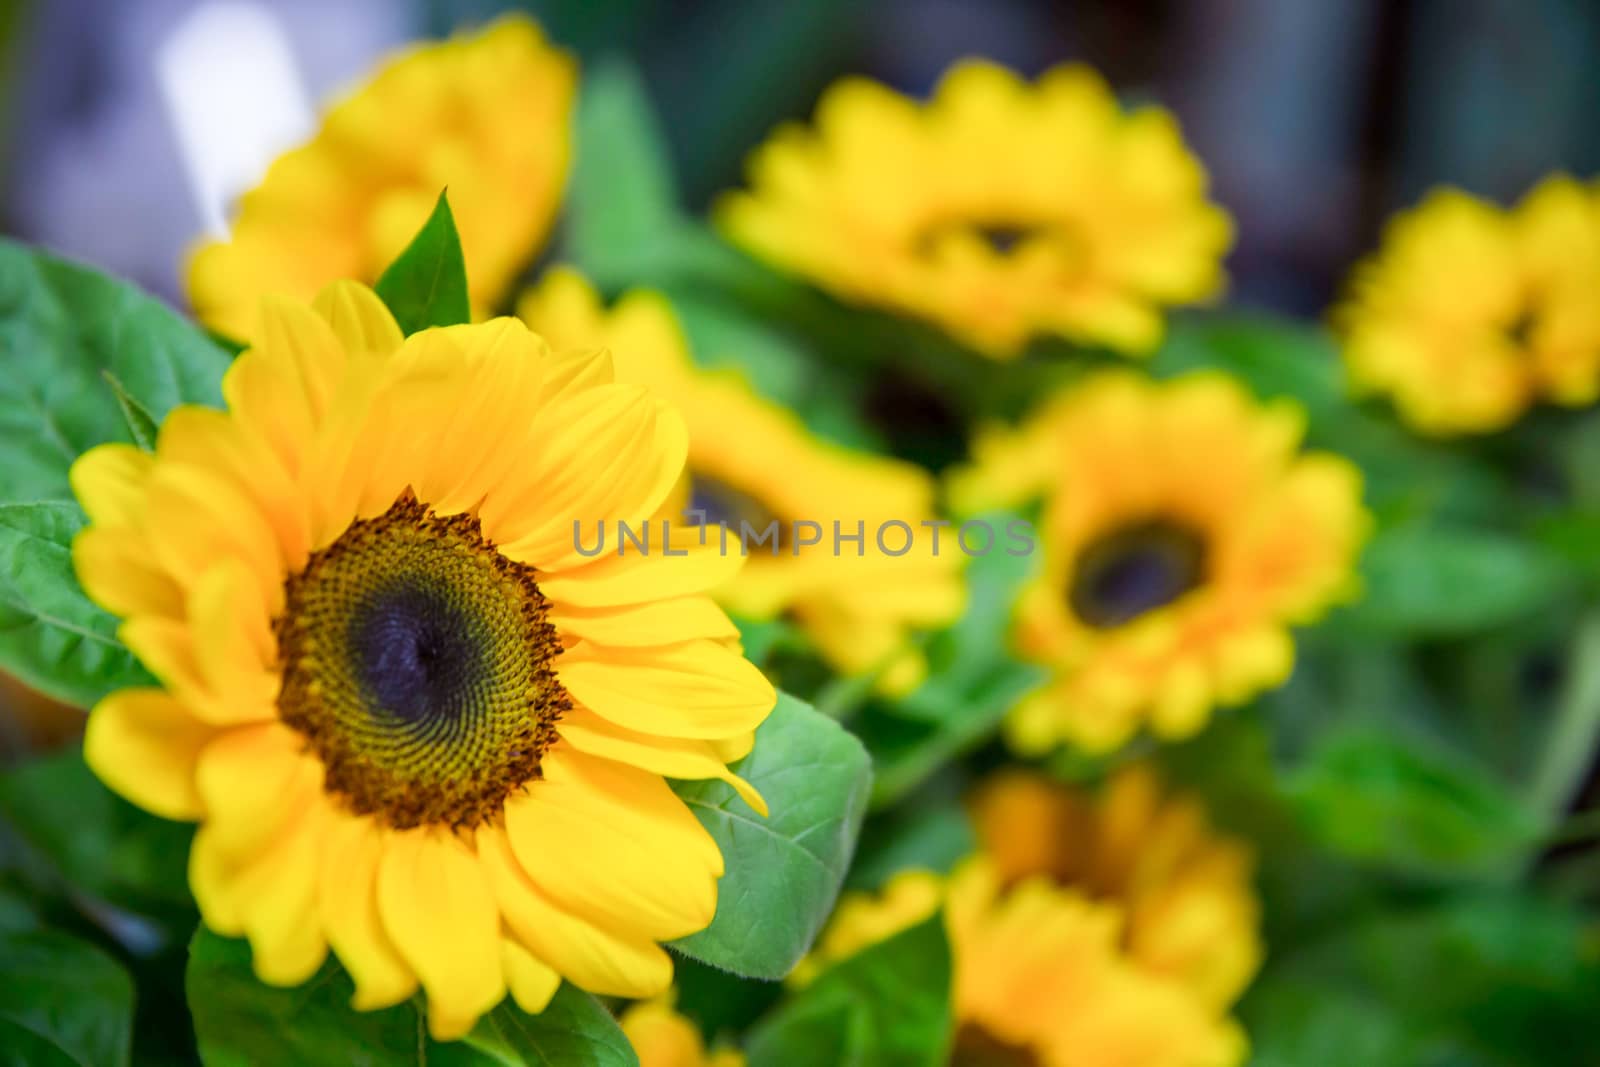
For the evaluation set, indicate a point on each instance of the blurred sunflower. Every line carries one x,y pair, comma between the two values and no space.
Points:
753,461
399,702
486,115
1470,313
1184,534
1086,933
998,210
663,1038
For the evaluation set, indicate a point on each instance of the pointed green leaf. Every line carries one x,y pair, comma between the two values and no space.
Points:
427,285
241,1022
888,1005
141,426
783,871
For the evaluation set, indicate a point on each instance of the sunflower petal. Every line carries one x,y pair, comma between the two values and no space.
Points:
698,689
144,744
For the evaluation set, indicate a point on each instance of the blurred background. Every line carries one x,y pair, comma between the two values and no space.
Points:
1317,118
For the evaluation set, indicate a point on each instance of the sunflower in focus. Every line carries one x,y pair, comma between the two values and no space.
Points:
998,210
860,605
663,1038
1087,932
486,115
1184,533
1470,313
400,704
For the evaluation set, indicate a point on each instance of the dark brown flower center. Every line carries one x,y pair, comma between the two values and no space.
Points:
1135,569
417,663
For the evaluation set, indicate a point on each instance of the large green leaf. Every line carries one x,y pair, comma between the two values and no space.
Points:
51,635
783,871
1412,808
622,194
427,284
66,334
1430,579
62,326
63,1002
241,1021
886,1006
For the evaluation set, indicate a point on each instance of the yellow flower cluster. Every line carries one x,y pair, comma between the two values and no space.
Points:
1184,533
1470,313
999,210
1113,931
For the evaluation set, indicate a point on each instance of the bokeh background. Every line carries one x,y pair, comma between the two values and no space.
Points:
1317,118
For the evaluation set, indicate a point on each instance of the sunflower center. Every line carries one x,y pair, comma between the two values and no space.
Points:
417,665
1133,570
720,504
976,1047
1001,236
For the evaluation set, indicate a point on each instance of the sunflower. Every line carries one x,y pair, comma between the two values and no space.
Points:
1184,533
1109,930
998,210
1470,313
663,1038
486,115
400,704
858,603
1189,912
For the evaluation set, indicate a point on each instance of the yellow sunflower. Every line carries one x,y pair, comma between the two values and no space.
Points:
1470,313
753,461
998,210
401,705
663,1038
486,115
1115,930
1184,533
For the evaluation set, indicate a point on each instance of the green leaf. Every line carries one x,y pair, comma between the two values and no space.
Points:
427,285
783,871
51,635
62,1002
622,195
887,1006
934,838
241,1021
63,329
96,842
1448,580
141,425
1412,808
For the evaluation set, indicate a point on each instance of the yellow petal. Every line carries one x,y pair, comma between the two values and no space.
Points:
196,518
670,757
695,689
359,318
255,780
612,580
616,962
532,982
144,744
658,873
116,569
109,482
681,618
439,913
347,900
